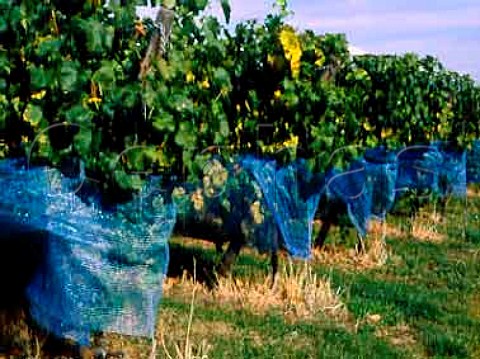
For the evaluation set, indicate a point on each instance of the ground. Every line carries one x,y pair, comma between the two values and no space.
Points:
414,296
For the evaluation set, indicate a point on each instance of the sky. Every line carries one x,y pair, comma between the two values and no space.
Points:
446,29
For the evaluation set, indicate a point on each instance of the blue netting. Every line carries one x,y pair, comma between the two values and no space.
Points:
371,185
350,187
381,169
473,163
418,169
369,188
257,220
103,269
452,172
281,187
234,209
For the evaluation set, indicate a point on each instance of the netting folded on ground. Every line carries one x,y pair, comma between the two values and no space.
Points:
103,269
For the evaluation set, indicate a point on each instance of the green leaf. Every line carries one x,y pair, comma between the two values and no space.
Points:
164,122
49,48
68,76
186,136
82,141
222,77
79,115
226,9
201,4
3,24
129,96
39,78
33,114
105,75
93,30
224,128
169,4
4,62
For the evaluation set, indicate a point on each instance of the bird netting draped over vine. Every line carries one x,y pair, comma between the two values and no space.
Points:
473,163
293,214
418,168
102,269
453,173
259,201
349,187
371,184
266,199
436,168
381,169
228,204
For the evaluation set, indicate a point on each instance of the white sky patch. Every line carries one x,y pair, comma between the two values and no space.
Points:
397,21
354,50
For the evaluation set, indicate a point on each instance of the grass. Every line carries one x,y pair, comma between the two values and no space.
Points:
414,294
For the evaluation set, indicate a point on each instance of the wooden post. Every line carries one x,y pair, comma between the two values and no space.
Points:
159,40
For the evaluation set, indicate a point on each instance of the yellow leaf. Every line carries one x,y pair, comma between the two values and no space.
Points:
42,139
277,94
190,77
368,127
292,142
94,99
320,58
386,132
270,59
205,84
292,49
38,95
248,106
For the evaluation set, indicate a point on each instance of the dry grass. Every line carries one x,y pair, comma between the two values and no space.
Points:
400,335
298,293
187,348
375,255
426,227
17,335
474,306
473,192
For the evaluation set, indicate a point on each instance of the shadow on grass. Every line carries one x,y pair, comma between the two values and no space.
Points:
198,263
